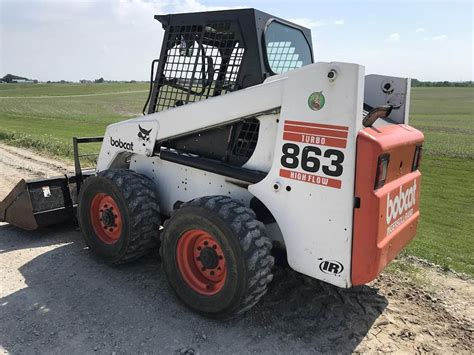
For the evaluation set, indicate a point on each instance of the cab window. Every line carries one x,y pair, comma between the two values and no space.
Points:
286,48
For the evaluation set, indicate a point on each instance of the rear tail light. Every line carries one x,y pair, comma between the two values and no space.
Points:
382,167
417,157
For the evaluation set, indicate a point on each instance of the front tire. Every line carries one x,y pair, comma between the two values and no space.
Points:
119,215
216,256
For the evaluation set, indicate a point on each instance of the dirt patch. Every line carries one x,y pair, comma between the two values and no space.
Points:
55,297
17,163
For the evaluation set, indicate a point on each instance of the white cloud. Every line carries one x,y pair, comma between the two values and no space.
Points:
306,22
440,38
84,39
339,22
117,39
196,6
420,30
394,37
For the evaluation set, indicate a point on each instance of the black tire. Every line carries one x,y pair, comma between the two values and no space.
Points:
242,239
135,197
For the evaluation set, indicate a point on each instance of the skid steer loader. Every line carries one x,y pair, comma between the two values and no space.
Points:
245,144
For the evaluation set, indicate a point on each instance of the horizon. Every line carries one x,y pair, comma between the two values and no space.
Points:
91,81
44,40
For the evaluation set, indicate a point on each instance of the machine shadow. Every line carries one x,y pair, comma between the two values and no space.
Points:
13,238
325,317
72,302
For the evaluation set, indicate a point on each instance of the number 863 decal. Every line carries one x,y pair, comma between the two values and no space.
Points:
309,160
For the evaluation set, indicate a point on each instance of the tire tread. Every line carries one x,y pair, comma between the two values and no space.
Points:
254,243
144,212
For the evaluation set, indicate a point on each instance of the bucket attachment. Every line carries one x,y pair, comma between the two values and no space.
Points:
40,202
44,202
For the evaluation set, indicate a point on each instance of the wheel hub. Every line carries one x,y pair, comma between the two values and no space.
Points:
209,258
201,262
108,217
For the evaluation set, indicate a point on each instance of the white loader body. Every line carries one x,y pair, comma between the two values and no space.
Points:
309,124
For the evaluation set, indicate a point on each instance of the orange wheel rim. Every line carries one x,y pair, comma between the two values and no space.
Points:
201,262
106,218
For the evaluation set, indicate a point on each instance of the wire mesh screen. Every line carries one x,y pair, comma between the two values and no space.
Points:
247,137
235,60
201,61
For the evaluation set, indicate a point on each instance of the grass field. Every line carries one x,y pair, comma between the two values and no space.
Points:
446,234
45,117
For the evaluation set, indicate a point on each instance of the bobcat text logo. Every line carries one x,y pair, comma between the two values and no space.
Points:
401,203
331,267
119,144
144,134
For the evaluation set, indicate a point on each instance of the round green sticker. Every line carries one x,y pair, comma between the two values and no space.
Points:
316,101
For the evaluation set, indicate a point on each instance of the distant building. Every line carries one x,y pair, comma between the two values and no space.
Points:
10,78
23,81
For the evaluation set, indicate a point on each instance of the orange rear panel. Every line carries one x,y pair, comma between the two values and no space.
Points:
387,217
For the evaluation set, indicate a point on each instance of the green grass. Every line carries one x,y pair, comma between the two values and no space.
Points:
43,117
445,115
28,90
446,232
34,119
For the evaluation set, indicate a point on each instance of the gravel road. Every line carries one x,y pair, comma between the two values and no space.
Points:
56,298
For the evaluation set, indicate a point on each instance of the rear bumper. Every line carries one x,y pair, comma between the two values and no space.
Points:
376,242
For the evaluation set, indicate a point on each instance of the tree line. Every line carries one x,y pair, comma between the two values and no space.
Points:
418,83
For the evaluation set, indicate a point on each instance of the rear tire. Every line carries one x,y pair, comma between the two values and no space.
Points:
216,256
119,215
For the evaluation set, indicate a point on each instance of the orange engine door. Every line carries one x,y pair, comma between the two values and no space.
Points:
387,217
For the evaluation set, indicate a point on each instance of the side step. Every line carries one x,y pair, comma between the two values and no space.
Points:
40,202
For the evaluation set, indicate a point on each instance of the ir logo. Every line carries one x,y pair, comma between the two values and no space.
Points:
331,267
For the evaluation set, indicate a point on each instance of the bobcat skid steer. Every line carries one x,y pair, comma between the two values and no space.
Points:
245,144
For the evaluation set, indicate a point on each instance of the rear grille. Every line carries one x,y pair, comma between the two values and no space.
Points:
247,137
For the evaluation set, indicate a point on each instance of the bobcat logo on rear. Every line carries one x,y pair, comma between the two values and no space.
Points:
144,135
401,203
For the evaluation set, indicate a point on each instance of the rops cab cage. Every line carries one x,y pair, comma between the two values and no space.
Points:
209,54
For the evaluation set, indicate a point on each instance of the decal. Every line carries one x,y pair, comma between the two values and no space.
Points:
400,208
316,134
316,101
119,144
143,134
309,159
331,267
318,155
311,178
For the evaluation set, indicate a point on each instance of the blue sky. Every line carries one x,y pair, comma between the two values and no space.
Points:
86,39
